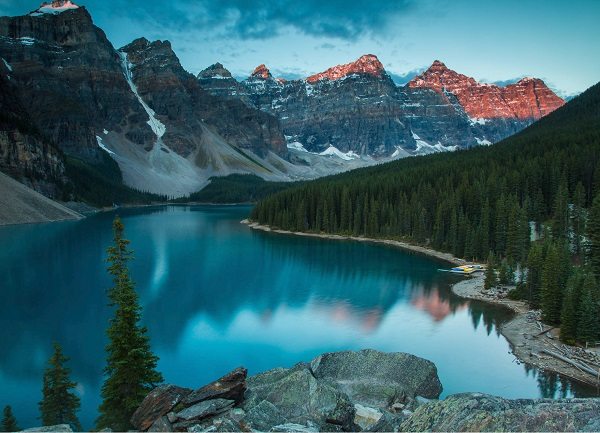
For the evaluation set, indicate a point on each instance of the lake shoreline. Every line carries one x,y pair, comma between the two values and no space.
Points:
447,257
522,332
528,342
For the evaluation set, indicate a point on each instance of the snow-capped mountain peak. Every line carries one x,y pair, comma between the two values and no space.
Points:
54,7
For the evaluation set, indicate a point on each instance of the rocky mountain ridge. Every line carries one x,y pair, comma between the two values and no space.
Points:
356,112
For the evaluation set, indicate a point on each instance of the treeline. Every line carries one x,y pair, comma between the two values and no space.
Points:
102,184
476,202
235,188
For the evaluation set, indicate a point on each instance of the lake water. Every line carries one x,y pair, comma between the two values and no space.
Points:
217,295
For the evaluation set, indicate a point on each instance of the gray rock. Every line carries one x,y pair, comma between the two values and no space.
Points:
205,409
264,416
343,416
375,378
366,417
51,428
232,386
291,427
481,412
295,393
160,425
156,404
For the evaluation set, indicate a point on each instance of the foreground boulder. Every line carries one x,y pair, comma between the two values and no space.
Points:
377,378
232,386
156,404
481,412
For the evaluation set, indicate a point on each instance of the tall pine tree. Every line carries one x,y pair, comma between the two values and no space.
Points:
131,366
9,422
588,324
59,404
551,287
593,234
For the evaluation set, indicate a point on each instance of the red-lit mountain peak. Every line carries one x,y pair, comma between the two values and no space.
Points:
368,64
261,71
529,98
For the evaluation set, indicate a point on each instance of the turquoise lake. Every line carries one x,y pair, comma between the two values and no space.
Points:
217,295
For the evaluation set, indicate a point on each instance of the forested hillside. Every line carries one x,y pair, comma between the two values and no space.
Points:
468,202
525,204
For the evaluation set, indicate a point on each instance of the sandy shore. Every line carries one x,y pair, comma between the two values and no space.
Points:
418,249
527,340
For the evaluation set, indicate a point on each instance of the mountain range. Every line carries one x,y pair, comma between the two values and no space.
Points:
135,116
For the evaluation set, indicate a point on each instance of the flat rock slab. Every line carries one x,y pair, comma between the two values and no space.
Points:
481,412
205,409
232,386
374,378
157,403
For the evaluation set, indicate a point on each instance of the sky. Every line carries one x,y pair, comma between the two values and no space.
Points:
493,41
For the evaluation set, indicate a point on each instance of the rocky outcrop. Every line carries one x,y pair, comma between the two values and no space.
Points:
480,412
355,391
527,99
344,391
156,404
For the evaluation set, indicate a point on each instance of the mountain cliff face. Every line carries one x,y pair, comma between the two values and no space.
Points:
527,99
355,111
137,105
24,153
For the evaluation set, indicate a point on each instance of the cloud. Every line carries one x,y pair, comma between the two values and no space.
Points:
254,19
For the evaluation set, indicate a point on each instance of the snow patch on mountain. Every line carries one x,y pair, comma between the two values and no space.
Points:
483,141
334,151
10,69
296,145
424,148
103,146
157,126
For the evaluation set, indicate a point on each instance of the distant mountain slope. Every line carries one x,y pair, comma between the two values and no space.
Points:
466,202
20,204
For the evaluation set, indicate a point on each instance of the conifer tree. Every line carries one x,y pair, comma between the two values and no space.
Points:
59,404
568,317
9,422
506,274
560,227
131,365
578,218
588,324
491,280
533,284
593,234
551,289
